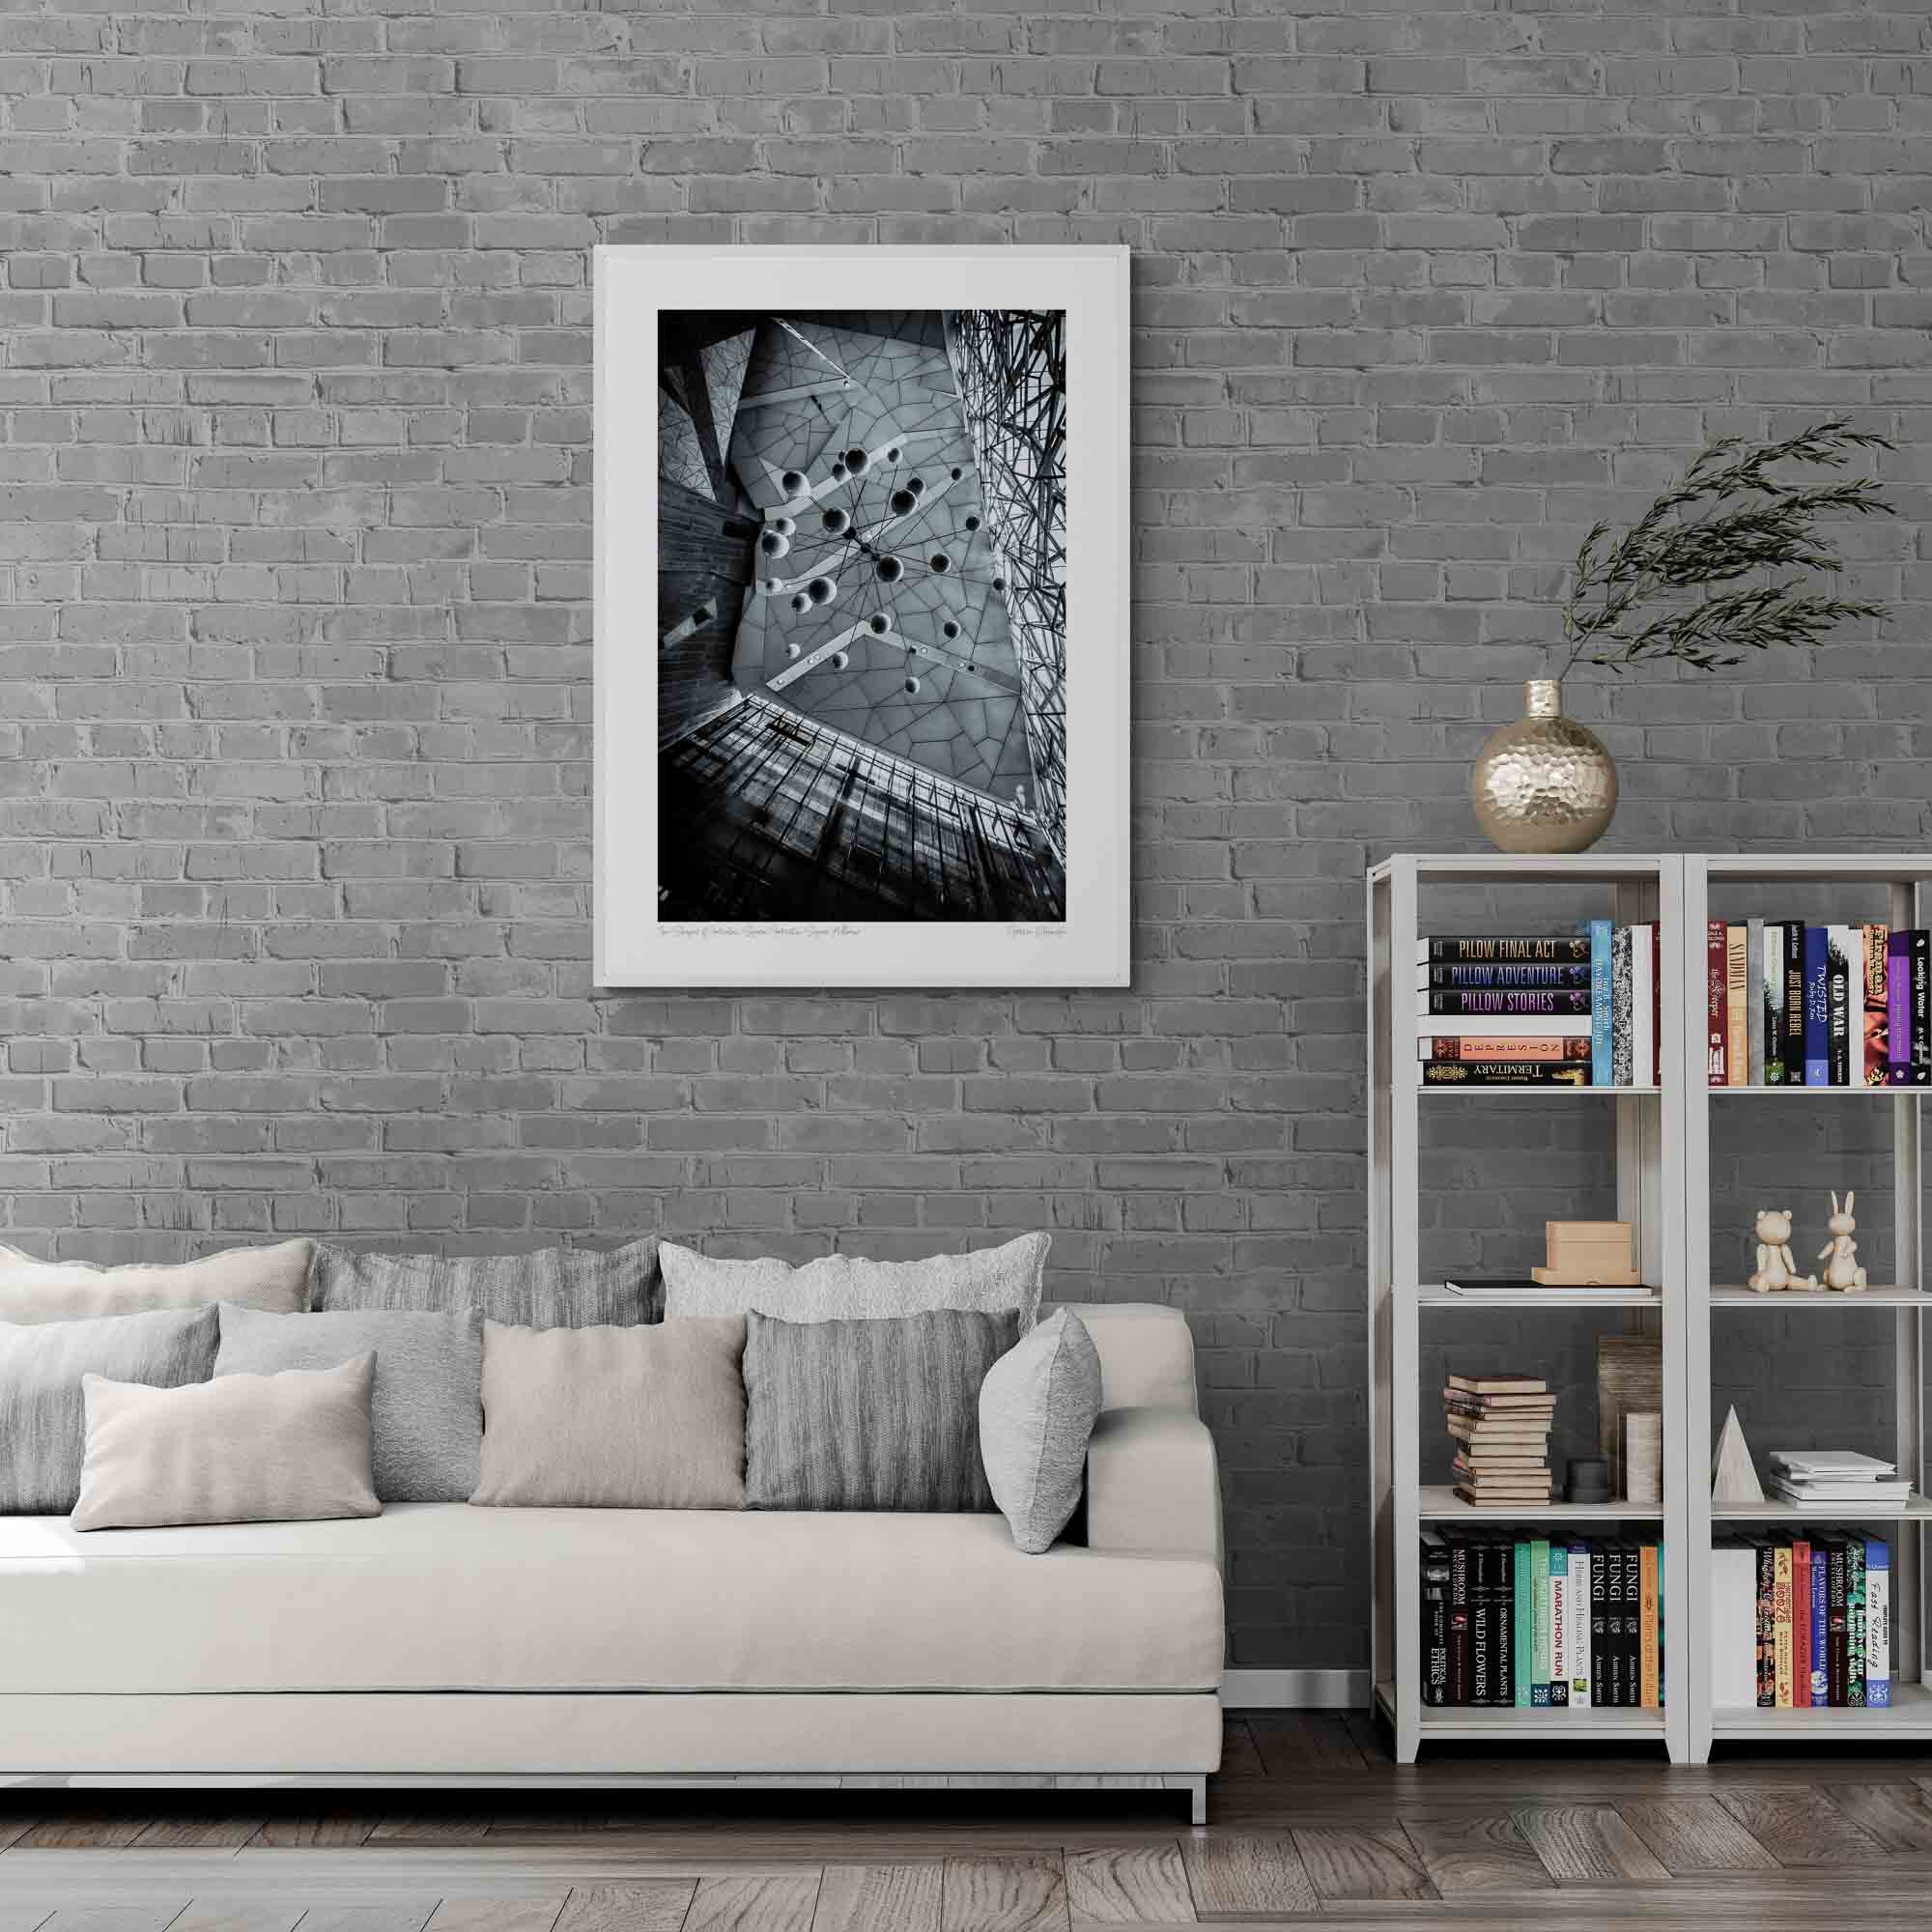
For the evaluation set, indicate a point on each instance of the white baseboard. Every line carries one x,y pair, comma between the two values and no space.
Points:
1294,1690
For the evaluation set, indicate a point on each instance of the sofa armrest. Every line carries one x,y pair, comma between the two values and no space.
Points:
1152,1486
1146,1354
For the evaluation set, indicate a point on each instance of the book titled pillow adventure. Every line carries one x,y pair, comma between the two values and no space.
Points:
1791,1005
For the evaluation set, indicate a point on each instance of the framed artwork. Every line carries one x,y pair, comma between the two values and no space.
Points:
862,617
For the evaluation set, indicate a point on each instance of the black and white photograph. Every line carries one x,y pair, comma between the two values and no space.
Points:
865,588
862,597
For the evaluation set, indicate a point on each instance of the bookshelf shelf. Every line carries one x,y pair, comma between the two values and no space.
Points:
1817,1092
1875,1296
1440,1504
1915,1509
1908,1716
1410,897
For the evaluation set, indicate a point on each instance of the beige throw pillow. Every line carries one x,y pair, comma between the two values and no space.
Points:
293,1447
614,1418
273,1278
844,1288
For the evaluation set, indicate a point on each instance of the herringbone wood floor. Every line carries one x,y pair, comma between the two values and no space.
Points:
1312,1823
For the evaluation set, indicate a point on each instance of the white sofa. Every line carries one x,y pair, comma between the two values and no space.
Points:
440,1643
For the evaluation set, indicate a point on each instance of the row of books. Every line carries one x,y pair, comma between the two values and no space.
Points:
1520,1620
1499,1430
1801,1623
1790,1004
1576,1009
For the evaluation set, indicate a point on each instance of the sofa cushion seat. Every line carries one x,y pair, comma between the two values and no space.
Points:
444,1596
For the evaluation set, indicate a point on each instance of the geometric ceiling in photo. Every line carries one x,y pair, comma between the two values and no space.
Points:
879,602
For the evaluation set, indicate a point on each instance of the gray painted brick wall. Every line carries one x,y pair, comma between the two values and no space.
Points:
294,620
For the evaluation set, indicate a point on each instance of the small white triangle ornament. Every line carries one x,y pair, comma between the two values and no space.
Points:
1733,1476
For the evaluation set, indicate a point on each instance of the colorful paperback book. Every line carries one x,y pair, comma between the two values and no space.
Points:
1898,1009
1581,1618
1649,1676
1794,1003
1435,1621
1877,1025
1469,949
1821,1623
1781,1633
1715,1007
1518,978
1855,1623
1643,1003
1539,1622
1623,1009
1755,1042
1603,1002
1877,1624
1737,1009
1503,1626
1845,946
1772,985
1509,1007
1800,1626
1559,1624
1519,1619
1921,1005
1817,1007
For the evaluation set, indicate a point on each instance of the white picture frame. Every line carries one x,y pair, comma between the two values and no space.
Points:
650,928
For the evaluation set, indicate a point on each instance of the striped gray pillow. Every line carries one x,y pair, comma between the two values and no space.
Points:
871,1415
43,1411
554,1287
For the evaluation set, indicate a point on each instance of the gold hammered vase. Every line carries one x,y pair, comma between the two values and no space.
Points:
1544,784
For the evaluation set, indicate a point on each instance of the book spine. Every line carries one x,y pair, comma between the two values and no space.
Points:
1622,1016
1435,1625
1539,1622
1520,1625
1821,1623
1844,944
1492,980
1582,1613
1559,1625
1755,1042
1899,1009
1817,1008
1877,1026
1600,1625
1877,1624
1737,1004
1855,1623
1800,1626
1554,1051
1921,1005
1643,1004
1781,1626
1502,1626
1766,1634
1505,1073
1603,1002
1836,1648
1650,1684
1498,949
1774,1003
1794,1003
1456,1003
1482,1657
1656,1007
1614,1636
1714,1009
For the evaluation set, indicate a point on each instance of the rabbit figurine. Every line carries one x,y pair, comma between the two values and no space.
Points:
1841,1255
1777,1271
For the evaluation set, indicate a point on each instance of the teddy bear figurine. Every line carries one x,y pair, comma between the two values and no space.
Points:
1776,1270
1840,1254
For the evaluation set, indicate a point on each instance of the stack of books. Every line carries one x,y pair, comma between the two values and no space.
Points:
1499,1426
1791,1005
1568,1010
1801,1623
1509,1617
1837,1476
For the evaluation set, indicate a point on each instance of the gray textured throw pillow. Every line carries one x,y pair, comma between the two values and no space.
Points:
1038,1406
42,1410
871,1414
36,1291
650,1417
839,1287
555,1287
427,1406
284,1448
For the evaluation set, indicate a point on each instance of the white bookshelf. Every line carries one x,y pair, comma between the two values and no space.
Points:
1647,1124
1663,1166
1740,886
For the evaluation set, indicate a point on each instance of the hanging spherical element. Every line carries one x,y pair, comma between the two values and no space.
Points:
879,623
917,485
772,585
893,454
785,526
793,483
912,687
835,523
957,473
822,589
972,522
1000,585
839,661
800,602
858,462
891,570
949,629
904,503
939,562
773,543
838,473
791,647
